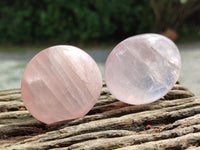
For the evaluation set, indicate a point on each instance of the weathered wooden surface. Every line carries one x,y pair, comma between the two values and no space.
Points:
170,123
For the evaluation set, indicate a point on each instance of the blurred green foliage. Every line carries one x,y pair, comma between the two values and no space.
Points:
73,20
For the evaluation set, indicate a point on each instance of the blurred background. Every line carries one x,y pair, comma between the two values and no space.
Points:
96,26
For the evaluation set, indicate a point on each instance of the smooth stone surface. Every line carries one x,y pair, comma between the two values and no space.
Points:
143,68
60,83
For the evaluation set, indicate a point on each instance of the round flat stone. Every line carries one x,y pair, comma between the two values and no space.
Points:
60,83
143,68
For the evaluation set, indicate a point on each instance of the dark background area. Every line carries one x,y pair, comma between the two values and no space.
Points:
95,21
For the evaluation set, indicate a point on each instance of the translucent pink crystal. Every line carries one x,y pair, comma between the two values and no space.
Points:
143,68
60,83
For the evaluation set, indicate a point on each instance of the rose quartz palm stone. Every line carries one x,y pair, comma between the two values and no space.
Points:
60,83
143,68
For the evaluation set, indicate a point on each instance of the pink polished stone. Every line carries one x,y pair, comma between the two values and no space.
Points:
143,68
60,83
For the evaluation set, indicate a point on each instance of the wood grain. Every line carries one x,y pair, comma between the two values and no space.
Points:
173,122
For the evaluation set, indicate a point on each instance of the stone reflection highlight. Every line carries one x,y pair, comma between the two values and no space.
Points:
60,83
143,68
